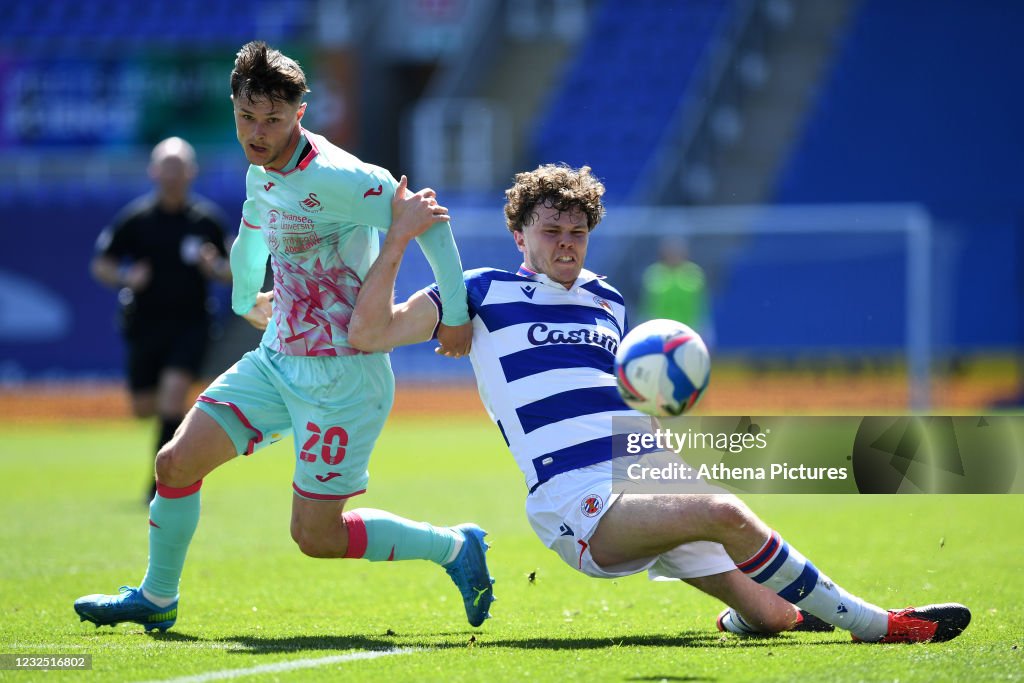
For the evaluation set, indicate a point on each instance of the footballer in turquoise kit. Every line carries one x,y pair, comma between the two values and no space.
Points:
318,217
317,212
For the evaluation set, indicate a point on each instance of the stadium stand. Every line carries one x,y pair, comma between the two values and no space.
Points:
66,27
622,88
922,105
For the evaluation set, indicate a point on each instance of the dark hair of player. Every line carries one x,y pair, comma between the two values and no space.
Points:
262,72
556,186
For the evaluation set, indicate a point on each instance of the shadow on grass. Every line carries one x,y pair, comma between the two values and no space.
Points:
692,639
249,644
685,639
269,645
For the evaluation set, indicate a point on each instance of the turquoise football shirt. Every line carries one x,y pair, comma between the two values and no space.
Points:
319,221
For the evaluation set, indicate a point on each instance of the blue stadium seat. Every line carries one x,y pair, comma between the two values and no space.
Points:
71,25
923,104
624,85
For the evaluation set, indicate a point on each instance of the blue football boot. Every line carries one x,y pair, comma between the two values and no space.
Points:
469,572
128,605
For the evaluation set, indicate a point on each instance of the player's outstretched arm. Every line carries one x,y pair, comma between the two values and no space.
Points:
377,324
438,246
454,340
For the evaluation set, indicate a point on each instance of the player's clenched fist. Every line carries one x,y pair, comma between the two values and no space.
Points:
413,212
259,315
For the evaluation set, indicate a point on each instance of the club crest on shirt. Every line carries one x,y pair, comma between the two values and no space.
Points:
591,504
311,204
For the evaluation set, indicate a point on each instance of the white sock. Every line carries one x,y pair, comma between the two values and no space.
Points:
733,623
456,547
156,599
785,571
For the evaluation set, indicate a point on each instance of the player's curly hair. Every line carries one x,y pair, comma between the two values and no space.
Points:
557,186
262,72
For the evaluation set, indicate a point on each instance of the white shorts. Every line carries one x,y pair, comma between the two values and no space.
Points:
565,510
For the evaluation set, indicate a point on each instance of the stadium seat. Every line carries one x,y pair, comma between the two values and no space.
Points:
645,55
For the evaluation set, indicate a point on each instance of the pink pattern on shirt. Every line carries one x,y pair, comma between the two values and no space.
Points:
313,308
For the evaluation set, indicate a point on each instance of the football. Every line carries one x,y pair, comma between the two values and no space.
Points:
662,368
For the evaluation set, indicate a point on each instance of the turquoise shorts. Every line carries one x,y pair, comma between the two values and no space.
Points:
335,406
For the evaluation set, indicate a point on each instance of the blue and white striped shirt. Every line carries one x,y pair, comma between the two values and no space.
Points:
544,362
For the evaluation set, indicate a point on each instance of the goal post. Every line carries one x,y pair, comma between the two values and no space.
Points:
910,221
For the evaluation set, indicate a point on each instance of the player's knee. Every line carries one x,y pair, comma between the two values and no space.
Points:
312,544
172,467
308,545
729,514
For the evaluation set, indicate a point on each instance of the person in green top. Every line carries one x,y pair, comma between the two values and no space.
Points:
675,287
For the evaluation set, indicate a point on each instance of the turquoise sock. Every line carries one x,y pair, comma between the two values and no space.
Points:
380,536
173,518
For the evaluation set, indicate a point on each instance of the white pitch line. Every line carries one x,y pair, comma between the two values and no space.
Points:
290,665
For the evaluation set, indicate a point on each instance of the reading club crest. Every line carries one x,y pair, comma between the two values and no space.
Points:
591,504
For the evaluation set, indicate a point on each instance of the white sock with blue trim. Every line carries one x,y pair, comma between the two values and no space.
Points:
733,622
784,570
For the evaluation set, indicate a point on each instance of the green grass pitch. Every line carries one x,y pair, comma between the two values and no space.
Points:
73,523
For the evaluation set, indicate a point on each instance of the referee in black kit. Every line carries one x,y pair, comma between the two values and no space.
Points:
159,253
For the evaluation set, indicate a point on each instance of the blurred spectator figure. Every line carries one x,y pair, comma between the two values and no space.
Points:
674,287
159,253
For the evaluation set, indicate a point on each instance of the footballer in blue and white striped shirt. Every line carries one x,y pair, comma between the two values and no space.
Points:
544,341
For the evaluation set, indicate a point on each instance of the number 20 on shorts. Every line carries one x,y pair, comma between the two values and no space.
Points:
332,444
